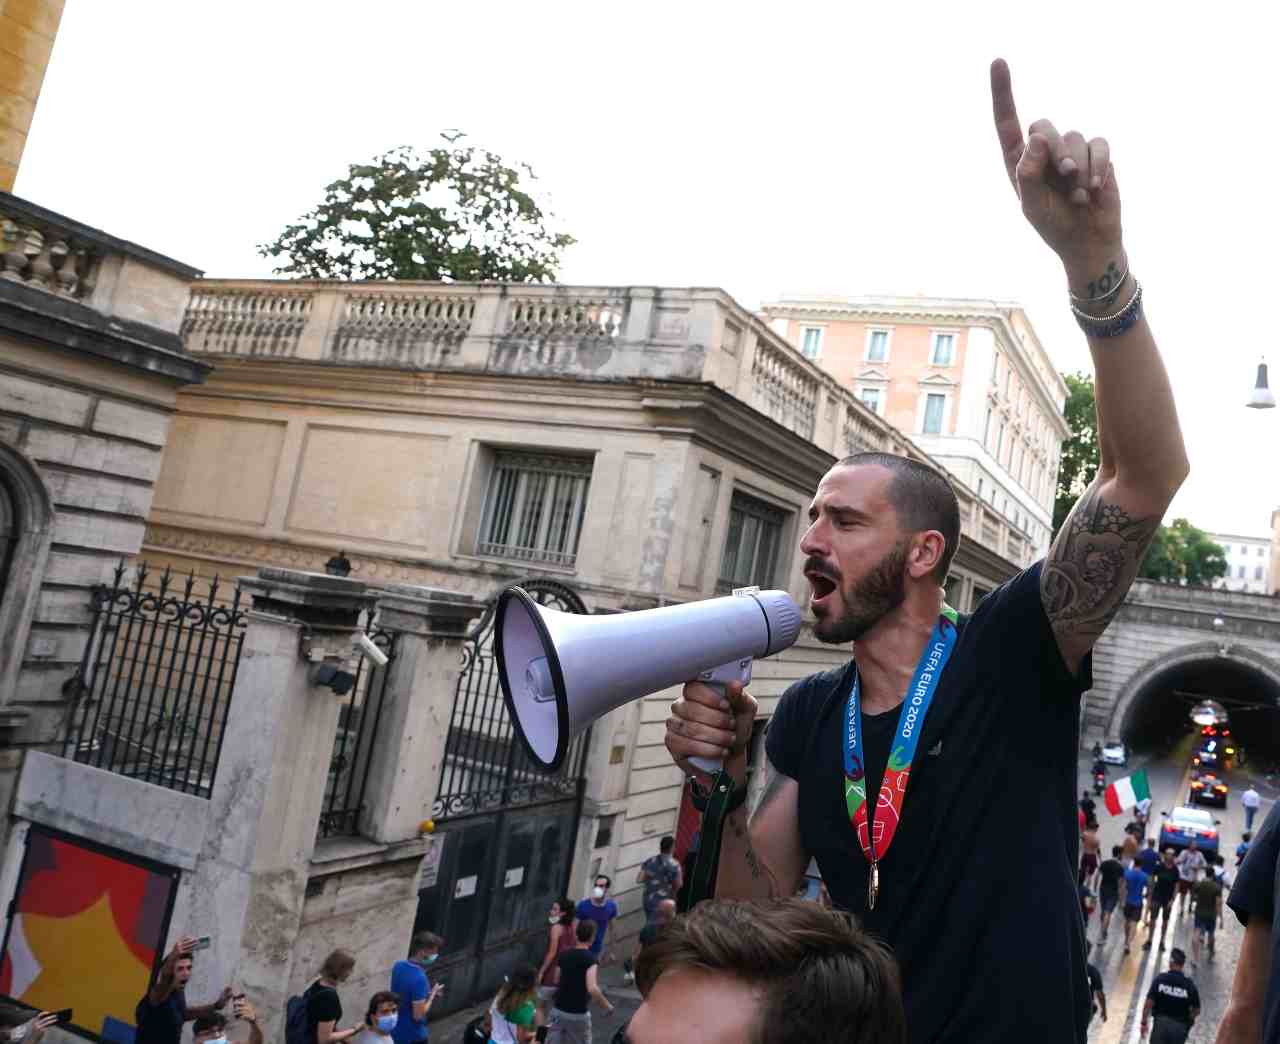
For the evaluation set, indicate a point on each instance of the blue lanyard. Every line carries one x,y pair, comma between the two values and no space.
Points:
875,833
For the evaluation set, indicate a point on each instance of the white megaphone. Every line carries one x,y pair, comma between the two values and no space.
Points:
561,671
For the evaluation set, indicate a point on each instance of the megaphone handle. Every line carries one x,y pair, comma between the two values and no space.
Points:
716,679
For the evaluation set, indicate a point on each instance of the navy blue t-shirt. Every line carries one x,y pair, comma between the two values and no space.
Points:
161,1023
998,748
1256,893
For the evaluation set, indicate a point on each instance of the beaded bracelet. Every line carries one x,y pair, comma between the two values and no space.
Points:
1104,326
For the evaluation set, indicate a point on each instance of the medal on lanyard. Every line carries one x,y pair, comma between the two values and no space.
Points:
875,831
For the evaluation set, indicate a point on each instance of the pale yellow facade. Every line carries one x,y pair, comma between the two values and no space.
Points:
27,31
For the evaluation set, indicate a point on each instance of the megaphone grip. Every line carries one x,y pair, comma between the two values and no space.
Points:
716,679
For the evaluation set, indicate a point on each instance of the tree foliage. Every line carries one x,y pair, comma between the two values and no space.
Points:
1080,451
456,213
1182,553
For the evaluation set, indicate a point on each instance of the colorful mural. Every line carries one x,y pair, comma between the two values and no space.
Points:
86,927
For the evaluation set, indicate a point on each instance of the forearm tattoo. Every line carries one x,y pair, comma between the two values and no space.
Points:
759,872
1091,565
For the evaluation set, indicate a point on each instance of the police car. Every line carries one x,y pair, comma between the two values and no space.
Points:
1184,825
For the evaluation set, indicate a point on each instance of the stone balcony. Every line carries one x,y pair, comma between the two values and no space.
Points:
66,283
578,332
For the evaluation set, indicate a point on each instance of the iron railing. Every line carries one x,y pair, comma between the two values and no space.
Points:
156,679
353,743
485,768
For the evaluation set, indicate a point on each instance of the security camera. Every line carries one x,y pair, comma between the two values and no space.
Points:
367,646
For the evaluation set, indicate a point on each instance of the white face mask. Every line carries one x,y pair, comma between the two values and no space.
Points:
597,892
217,1040
18,1032
553,919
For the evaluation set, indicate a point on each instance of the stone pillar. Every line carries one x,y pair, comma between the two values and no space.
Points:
249,888
417,704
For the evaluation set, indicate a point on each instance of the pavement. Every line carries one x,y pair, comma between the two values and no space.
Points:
626,999
1126,979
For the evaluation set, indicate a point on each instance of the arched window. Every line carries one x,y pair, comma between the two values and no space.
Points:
26,530
8,535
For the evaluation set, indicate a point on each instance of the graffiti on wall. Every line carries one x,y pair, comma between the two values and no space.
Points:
87,927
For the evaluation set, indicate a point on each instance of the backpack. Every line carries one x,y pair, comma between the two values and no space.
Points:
297,1024
296,1029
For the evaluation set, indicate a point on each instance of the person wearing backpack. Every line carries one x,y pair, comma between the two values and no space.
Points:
313,1017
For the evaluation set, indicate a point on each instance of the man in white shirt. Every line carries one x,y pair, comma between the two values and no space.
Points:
1143,810
1190,862
1250,800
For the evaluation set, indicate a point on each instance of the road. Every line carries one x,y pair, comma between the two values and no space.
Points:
1127,979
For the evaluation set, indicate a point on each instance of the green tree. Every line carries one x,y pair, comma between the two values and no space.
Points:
456,213
1181,552
1079,461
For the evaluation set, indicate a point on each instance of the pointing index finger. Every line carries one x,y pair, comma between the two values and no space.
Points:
1005,112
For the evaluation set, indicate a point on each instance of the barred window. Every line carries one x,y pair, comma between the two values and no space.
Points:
751,545
534,507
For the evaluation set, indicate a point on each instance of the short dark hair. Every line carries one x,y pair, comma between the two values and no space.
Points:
426,941
215,1020
377,1000
586,931
1177,956
1116,851
1247,836
666,845
608,881
922,496
812,968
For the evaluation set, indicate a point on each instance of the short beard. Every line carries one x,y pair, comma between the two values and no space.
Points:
876,595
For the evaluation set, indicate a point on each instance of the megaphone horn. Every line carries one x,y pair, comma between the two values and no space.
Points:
561,671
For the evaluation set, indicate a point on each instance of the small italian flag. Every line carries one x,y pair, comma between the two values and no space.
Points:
1127,792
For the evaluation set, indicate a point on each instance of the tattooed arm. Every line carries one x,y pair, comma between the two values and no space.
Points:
1068,192
763,857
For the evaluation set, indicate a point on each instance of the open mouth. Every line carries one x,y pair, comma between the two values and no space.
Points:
823,587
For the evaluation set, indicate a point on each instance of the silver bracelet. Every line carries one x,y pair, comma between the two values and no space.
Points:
1104,326
1107,295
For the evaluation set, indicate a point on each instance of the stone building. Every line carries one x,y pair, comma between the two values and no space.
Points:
92,362
624,447
1248,562
968,380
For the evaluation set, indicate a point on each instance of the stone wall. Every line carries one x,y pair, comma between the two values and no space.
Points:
27,32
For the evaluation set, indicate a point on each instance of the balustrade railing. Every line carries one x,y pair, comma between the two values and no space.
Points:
783,390
417,329
47,256
246,322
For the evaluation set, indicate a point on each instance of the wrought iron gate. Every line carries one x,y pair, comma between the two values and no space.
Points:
508,829
155,681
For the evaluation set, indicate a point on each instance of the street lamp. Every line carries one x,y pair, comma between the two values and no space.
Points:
1263,398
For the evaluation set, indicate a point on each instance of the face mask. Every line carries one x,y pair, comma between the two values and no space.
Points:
18,1032
553,919
216,1040
387,1023
597,892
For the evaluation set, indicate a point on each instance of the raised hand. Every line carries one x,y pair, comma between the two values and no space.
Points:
1067,186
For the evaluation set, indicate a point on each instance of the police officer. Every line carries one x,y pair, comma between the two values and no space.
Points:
1175,1002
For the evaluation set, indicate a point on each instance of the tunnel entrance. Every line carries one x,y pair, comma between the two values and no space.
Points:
1157,715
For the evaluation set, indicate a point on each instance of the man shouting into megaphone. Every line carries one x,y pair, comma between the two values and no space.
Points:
901,771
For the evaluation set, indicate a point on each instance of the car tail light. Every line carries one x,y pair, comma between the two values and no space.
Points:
1209,833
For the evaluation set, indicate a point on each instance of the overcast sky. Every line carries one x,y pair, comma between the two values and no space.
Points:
762,148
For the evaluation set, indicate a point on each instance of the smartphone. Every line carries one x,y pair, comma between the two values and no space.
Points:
63,1016
203,943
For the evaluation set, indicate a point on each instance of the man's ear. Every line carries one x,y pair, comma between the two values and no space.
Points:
927,549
